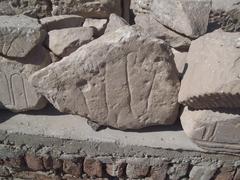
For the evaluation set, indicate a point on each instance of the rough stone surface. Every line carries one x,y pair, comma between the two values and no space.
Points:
19,35
32,8
223,4
155,29
93,167
33,162
122,56
212,76
180,59
141,6
61,22
138,170
184,16
115,22
63,42
215,131
117,169
16,93
98,24
87,8
159,172
204,172
73,165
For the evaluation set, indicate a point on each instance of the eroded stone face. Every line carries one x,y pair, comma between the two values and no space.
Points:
155,29
65,41
19,35
184,16
212,76
16,93
115,22
215,130
87,8
141,6
124,79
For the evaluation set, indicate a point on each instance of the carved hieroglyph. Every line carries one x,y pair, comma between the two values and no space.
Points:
16,93
213,130
212,77
19,35
189,17
124,79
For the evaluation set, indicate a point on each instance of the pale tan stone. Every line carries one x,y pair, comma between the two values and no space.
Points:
98,24
180,59
212,76
115,22
63,42
214,130
16,93
101,81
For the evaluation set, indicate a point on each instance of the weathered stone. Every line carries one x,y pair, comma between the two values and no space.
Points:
87,8
141,6
184,16
93,70
203,172
93,167
215,131
73,165
159,172
63,42
98,24
19,35
33,8
137,170
178,171
180,59
117,169
155,29
223,4
16,93
34,162
61,22
4,171
115,22
212,76
225,173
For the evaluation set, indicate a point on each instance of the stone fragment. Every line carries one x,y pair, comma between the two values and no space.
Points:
155,29
16,93
137,170
204,172
178,171
180,59
63,42
61,22
223,4
32,8
4,171
141,6
19,35
212,76
117,169
115,22
159,172
93,167
87,8
73,165
213,130
184,16
98,24
34,162
93,70
225,173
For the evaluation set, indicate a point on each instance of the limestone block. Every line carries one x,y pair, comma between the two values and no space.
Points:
180,59
115,22
189,17
63,42
212,76
141,6
155,29
87,8
16,93
19,35
98,24
61,22
214,130
101,81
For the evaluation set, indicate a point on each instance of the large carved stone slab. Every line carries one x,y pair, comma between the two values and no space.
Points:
16,93
61,22
87,8
124,79
212,76
189,17
19,35
63,42
213,130
156,29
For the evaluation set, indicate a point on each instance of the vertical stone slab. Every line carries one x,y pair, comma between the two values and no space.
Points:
4,89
